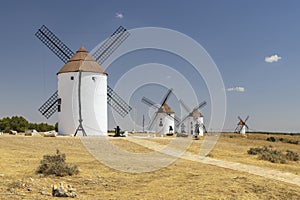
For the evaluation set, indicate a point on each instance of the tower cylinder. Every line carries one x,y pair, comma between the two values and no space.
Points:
82,93
93,103
163,122
243,130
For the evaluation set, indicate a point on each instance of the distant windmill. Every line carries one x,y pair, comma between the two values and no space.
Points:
193,121
241,126
83,93
163,121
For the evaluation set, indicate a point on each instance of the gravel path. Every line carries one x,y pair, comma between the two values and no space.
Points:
267,173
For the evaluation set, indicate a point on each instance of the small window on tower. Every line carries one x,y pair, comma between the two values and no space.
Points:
59,105
72,78
160,122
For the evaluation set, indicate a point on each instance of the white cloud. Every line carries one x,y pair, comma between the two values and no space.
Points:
273,58
236,89
119,15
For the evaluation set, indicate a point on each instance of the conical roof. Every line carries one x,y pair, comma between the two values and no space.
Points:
196,113
82,61
166,109
241,123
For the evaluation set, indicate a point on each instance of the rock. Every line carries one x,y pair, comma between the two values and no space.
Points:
59,192
50,134
12,132
63,190
181,135
72,194
31,132
1,175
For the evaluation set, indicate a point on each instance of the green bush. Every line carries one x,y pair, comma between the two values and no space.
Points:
56,165
20,124
16,123
271,139
56,127
41,127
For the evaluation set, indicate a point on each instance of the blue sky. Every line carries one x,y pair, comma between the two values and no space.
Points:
238,35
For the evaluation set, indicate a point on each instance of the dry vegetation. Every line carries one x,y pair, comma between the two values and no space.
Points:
20,157
233,147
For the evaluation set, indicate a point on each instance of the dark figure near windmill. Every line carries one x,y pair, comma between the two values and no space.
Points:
197,131
117,132
170,130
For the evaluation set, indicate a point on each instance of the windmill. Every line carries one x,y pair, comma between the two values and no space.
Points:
241,126
83,93
193,121
164,118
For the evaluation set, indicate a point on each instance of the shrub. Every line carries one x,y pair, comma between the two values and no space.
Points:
20,124
56,165
271,139
290,141
255,151
41,127
56,127
273,155
292,156
16,123
293,141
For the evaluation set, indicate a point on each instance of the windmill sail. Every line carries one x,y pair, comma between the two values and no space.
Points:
196,108
50,106
161,107
110,45
187,109
105,50
54,44
149,102
116,102
101,55
241,125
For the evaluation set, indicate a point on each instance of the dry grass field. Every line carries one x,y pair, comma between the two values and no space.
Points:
184,179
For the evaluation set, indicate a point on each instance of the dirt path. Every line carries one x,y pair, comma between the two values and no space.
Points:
267,173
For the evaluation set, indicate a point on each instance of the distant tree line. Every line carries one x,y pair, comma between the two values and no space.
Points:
20,124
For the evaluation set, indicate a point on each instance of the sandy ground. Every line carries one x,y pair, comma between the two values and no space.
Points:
184,178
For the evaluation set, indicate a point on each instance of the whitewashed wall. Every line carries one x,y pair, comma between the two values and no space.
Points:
166,123
93,103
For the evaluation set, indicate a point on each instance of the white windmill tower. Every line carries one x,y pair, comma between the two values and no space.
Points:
195,119
164,119
82,77
241,126
83,93
193,122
